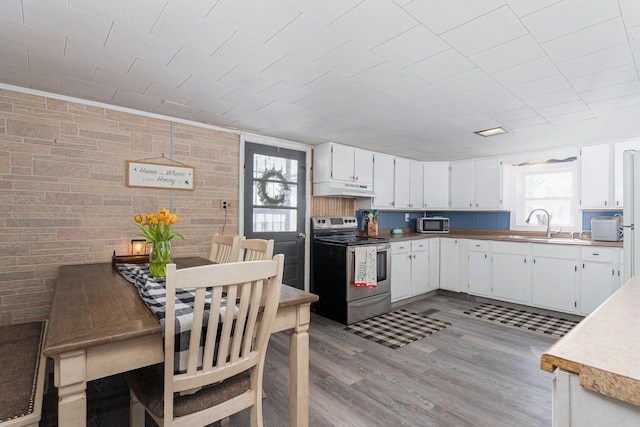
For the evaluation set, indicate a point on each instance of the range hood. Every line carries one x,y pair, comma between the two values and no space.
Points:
342,189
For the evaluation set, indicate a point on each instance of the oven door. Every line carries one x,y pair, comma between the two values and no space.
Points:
383,270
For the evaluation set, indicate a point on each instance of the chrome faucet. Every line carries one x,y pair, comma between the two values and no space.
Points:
548,220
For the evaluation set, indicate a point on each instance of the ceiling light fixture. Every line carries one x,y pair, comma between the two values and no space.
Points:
491,132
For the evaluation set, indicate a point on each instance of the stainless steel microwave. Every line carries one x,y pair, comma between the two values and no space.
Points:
432,225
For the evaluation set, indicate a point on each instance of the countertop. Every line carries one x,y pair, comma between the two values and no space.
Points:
604,349
501,235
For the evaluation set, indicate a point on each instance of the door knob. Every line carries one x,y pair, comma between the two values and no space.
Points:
302,236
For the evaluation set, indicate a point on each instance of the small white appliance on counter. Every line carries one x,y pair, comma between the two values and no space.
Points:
605,228
432,224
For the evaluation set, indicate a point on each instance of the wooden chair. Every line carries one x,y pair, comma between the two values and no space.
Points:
225,249
226,370
256,249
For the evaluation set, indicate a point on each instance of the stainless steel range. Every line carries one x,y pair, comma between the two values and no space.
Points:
333,271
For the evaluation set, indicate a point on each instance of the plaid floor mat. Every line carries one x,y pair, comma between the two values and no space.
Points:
523,319
396,329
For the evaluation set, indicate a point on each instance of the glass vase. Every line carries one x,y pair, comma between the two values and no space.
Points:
159,257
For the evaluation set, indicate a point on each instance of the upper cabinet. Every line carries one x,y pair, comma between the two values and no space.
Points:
383,181
601,174
476,184
401,183
340,170
436,185
595,172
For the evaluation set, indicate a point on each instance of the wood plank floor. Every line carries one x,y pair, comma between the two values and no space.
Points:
473,373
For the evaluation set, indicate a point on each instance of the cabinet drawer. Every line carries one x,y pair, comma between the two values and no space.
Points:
479,245
597,254
555,251
514,248
400,247
419,245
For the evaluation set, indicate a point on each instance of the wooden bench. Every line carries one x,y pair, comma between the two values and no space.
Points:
22,373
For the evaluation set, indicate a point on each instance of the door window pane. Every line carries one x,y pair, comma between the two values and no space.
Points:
266,220
275,194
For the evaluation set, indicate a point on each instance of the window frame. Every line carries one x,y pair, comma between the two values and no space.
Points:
518,173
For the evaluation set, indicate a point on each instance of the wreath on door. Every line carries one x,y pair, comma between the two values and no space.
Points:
273,176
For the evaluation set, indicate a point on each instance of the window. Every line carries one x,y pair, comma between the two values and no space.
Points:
275,193
549,186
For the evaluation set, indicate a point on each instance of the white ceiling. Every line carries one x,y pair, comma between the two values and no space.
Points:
410,78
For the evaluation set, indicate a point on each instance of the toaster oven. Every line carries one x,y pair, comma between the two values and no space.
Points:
432,224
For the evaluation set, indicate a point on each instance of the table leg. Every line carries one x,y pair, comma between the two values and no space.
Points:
299,369
71,379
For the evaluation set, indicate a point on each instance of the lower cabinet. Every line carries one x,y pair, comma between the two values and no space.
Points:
410,268
598,277
400,270
454,264
554,277
510,271
479,278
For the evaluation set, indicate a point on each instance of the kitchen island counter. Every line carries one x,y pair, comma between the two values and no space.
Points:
604,349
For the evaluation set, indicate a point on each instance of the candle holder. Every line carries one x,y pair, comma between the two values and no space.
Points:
138,247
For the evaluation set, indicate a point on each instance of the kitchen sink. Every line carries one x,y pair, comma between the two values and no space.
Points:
544,239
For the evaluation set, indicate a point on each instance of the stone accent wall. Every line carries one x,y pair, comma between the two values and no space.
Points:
63,195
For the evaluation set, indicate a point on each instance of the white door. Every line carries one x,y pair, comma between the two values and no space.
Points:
363,166
342,161
461,185
402,179
383,180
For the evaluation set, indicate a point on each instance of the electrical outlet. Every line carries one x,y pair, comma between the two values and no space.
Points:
406,217
225,204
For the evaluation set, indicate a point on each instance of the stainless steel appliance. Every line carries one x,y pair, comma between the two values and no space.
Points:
605,228
432,224
333,270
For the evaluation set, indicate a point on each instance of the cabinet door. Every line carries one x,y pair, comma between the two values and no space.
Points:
595,176
596,284
342,161
488,184
402,179
400,276
553,283
434,263
462,187
479,273
510,276
383,180
419,272
449,265
436,185
416,184
363,166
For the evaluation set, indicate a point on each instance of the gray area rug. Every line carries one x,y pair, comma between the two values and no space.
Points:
397,328
523,319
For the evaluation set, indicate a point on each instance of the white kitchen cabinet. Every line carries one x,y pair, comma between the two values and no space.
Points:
454,264
461,184
597,277
419,266
488,184
416,185
595,177
434,263
436,185
383,180
400,270
510,271
342,163
479,278
554,277
409,268
619,270
476,184
402,182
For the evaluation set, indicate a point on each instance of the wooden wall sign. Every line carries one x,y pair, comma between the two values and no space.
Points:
174,177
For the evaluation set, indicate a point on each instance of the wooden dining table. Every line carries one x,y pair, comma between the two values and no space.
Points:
99,326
